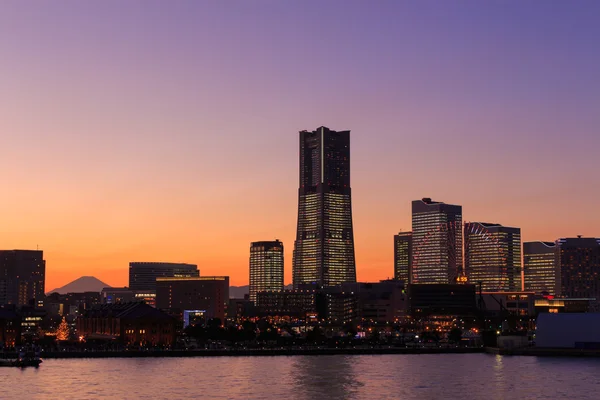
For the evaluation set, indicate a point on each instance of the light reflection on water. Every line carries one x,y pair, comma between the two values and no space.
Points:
452,376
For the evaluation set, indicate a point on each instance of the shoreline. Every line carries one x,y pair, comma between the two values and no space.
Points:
254,352
528,352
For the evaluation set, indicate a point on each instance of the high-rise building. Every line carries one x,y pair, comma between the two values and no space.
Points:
324,246
206,294
579,263
540,268
493,256
142,275
436,242
403,256
22,277
266,267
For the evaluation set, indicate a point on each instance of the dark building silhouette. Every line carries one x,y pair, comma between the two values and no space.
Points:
266,267
293,303
442,300
579,263
324,246
209,294
403,256
22,277
493,256
142,275
10,327
540,267
437,242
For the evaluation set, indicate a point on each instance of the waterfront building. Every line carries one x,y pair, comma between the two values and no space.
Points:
324,246
568,330
498,304
551,304
379,302
135,323
540,267
22,277
493,256
290,303
142,275
579,263
10,326
403,256
266,267
426,300
436,242
207,293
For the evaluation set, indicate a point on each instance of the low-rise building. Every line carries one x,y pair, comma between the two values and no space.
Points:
129,323
515,303
10,327
550,304
568,330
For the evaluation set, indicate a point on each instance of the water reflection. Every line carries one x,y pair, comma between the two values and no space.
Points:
321,377
406,377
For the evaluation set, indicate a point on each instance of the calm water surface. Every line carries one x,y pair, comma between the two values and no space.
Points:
440,376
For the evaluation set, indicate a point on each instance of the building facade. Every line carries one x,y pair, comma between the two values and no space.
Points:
324,246
206,293
436,242
266,267
135,324
22,277
493,256
540,267
579,263
142,275
403,256
289,303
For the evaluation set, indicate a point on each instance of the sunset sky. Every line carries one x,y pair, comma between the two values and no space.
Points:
168,130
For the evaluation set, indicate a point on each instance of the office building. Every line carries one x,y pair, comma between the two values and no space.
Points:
403,256
579,263
324,246
436,242
493,256
209,294
540,268
22,277
142,275
266,267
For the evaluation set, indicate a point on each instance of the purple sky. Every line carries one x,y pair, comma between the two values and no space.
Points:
168,129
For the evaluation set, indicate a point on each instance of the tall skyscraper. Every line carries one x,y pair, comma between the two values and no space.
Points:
540,267
142,275
579,263
493,256
324,246
403,256
266,267
22,277
437,242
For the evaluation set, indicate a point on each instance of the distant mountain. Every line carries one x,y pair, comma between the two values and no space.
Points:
238,292
80,285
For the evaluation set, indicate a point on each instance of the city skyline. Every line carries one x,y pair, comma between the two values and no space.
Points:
125,141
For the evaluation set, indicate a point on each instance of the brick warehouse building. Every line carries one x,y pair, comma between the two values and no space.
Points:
129,323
